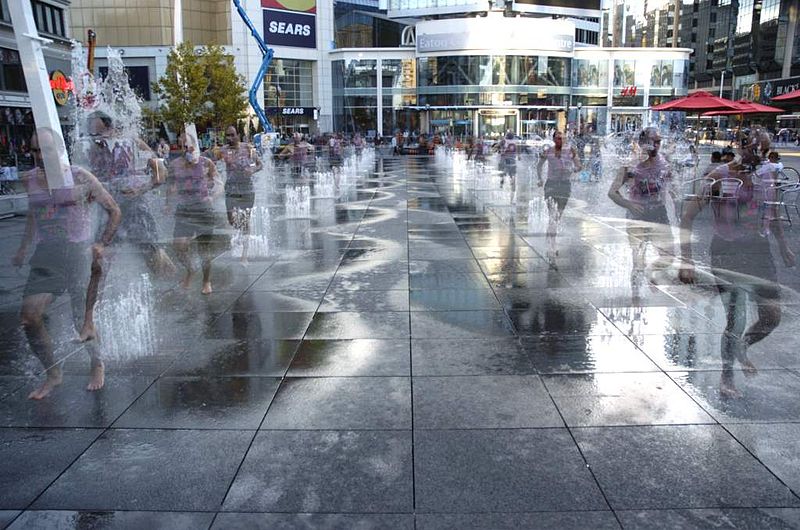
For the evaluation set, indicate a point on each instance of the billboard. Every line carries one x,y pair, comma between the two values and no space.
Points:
576,8
290,23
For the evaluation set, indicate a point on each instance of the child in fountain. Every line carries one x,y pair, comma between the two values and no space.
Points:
59,220
193,179
241,163
112,160
649,184
561,164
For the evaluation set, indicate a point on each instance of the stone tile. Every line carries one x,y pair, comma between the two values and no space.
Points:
585,354
369,281
355,357
232,357
71,405
286,521
678,466
469,357
453,300
65,520
33,458
342,403
768,396
183,471
202,403
364,325
623,399
776,445
249,326
460,324
550,318
364,301
277,301
450,280
325,471
6,516
461,266
513,521
483,402
479,471
746,518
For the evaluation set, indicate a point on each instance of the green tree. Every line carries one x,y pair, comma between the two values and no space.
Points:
200,86
226,89
182,90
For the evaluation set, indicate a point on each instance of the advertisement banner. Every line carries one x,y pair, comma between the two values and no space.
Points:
289,28
301,6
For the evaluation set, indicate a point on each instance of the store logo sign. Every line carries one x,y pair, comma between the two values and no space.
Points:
61,86
288,28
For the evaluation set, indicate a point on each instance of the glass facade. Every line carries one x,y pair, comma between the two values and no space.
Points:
490,94
289,83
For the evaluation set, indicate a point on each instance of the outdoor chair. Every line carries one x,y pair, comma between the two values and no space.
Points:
785,197
698,189
726,190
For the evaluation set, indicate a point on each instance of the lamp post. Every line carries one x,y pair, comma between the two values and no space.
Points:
428,118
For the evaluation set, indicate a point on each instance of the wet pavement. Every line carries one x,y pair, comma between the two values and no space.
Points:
414,356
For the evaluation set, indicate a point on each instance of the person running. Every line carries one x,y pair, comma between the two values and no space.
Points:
741,262
193,178
335,153
508,155
561,164
59,222
241,163
112,160
649,185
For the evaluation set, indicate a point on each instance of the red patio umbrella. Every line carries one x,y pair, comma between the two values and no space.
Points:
746,107
698,102
794,95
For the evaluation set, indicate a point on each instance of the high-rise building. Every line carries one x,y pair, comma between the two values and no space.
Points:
735,42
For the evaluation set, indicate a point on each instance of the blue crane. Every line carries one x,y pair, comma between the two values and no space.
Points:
267,53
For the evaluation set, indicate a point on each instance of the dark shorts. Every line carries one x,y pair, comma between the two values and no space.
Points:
559,191
58,267
241,201
652,214
335,161
745,263
509,167
194,220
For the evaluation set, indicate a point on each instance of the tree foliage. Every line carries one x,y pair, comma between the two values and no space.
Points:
200,86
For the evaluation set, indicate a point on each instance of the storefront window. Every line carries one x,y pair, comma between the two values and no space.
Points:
590,73
289,84
11,77
661,74
360,73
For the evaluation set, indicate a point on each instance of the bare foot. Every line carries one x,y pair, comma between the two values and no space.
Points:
163,264
97,377
207,288
748,367
89,332
187,280
728,390
52,381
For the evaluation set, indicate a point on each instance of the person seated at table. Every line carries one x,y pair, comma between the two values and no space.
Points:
768,172
716,161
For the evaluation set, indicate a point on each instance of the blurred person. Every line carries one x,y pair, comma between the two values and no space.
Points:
561,164
192,180
66,257
241,163
741,262
649,184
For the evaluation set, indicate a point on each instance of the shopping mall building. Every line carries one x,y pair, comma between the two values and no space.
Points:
376,66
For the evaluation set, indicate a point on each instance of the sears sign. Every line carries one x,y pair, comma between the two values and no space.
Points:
289,28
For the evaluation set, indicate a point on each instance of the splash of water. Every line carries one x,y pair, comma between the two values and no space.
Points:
325,187
126,321
298,202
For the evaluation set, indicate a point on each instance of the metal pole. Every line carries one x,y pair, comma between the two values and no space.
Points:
721,85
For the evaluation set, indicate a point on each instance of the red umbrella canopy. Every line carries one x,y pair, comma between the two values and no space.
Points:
746,107
698,102
789,96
